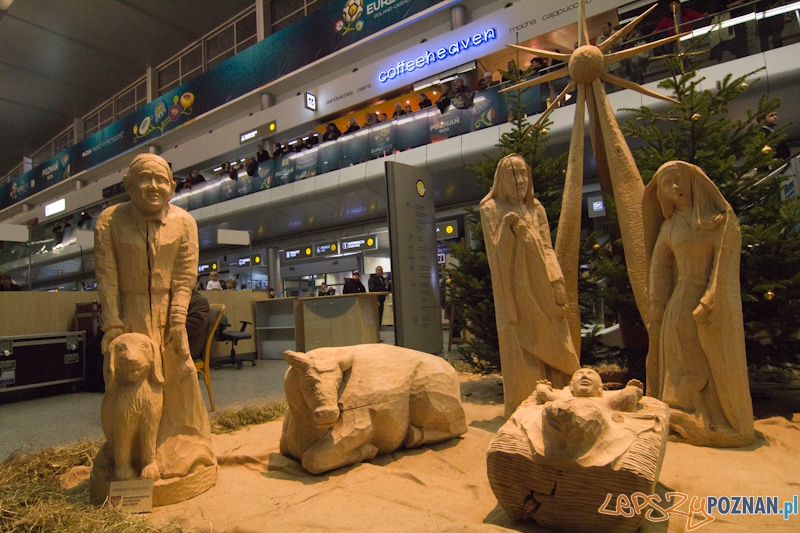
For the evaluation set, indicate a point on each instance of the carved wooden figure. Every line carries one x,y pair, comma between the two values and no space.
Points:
530,298
131,408
351,403
563,452
146,255
696,363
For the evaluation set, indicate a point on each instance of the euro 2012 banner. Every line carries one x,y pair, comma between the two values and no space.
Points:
337,25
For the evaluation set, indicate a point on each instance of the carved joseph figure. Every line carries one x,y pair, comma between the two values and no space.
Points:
146,254
696,363
529,292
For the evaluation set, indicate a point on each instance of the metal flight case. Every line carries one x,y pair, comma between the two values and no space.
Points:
49,362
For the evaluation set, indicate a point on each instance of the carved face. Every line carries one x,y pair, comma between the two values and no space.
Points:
133,357
515,183
149,187
586,383
676,186
320,379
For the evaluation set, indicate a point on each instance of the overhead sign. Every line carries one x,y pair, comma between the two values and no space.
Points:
56,207
431,56
203,268
328,248
596,206
261,131
298,253
311,102
243,261
446,230
369,242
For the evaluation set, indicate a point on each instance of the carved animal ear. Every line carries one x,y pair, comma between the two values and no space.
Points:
297,360
345,360
157,366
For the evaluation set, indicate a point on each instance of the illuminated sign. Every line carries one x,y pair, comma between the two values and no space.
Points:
297,253
597,208
247,136
311,102
203,268
329,248
428,57
370,242
257,261
447,230
56,207
260,131
243,261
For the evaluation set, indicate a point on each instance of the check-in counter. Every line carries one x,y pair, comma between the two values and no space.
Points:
342,320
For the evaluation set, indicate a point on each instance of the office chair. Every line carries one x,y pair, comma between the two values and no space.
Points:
222,335
203,366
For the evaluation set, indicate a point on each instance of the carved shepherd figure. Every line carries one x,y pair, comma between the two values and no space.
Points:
352,403
131,408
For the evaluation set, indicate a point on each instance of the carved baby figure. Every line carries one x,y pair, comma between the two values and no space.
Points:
131,408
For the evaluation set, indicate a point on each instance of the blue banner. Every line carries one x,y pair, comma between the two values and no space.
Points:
337,25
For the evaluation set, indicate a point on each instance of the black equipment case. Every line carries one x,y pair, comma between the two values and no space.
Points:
34,361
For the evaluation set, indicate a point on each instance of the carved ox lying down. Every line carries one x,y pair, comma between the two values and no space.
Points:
352,403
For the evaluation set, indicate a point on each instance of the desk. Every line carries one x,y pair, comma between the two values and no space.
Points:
342,320
275,326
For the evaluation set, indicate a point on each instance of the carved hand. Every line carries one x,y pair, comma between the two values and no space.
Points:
635,383
655,314
700,313
560,292
511,218
109,336
178,340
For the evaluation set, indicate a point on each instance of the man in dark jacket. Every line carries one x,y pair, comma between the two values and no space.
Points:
354,285
197,324
378,283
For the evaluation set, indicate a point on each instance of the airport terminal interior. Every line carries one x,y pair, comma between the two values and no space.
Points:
281,121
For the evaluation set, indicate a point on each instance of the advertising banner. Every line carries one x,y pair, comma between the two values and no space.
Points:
305,164
337,25
355,148
381,139
283,169
329,155
445,125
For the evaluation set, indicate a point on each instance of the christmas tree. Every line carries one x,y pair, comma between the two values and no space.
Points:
469,284
737,155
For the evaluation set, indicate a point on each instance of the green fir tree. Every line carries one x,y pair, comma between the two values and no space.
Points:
737,156
469,285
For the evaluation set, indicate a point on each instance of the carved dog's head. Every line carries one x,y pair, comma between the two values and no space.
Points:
320,377
133,357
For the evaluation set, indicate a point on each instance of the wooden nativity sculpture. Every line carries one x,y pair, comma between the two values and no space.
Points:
564,453
616,169
529,292
349,404
153,414
696,363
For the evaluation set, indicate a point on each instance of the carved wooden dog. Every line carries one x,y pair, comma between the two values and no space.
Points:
131,408
352,403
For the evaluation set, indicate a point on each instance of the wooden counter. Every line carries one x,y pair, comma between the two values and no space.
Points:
342,320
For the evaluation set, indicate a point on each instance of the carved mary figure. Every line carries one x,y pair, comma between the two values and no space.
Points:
696,363
528,285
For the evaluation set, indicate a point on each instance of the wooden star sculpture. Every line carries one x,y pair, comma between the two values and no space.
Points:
616,169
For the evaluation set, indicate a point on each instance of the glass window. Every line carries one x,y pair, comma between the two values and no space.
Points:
168,75
220,44
284,8
246,28
191,60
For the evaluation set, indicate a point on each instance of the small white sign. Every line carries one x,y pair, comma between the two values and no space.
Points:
311,102
134,496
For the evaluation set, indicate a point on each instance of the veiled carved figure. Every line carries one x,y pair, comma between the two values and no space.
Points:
563,451
529,292
352,403
146,255
696,363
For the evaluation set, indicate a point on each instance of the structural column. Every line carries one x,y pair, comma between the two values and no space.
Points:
274,271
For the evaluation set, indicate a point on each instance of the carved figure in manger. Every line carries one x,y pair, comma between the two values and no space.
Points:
696,363
529,292
564,451
351,403
146,254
